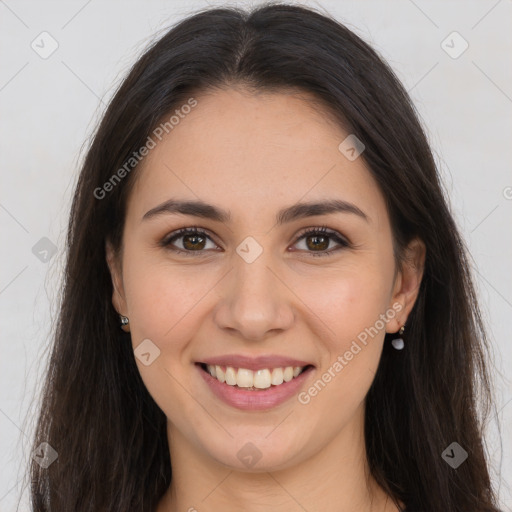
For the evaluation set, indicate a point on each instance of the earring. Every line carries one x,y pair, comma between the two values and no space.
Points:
398,343
124,323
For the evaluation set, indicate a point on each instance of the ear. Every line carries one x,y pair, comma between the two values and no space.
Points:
407,283
114,265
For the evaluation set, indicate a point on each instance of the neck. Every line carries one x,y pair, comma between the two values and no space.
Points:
334,479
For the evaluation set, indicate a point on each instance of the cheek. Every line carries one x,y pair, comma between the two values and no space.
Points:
163,306
162,297
345,301
347,306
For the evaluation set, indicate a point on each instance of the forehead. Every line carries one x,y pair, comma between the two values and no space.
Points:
254,152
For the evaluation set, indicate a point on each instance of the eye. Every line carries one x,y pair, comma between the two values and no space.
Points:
320,238
193,240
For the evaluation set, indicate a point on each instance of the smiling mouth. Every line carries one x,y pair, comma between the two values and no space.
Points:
257,380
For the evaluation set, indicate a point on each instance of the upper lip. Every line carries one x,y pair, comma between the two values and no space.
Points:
254,363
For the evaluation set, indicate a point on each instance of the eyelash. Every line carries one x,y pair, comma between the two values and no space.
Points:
322,230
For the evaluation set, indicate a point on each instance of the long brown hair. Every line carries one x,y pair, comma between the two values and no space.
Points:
96,413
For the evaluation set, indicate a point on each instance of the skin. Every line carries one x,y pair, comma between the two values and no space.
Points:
253,154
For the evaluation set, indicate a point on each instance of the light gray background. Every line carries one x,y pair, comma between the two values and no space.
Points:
50,106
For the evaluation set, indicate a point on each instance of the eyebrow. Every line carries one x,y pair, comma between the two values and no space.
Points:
289,214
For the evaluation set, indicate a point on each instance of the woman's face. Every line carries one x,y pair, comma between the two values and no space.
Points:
250,291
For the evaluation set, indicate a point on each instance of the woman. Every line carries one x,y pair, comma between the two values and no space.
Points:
267,303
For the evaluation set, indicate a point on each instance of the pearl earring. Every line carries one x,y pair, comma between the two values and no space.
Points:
398,343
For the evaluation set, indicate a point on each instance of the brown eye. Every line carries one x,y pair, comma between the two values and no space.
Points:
318,240
193,242
188,241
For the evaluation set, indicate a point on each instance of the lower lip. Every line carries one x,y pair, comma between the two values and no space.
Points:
255,400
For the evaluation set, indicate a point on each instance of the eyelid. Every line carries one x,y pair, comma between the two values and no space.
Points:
324,230
340,239
191,230
332,234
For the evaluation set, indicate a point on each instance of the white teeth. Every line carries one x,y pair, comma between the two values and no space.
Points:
262,379
259,379
288,374
221,376
277,376
230,376
244,378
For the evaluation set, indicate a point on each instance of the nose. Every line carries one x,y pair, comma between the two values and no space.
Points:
255,302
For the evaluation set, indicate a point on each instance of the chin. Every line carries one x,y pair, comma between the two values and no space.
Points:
257,450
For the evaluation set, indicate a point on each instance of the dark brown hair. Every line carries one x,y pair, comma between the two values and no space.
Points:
96,413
